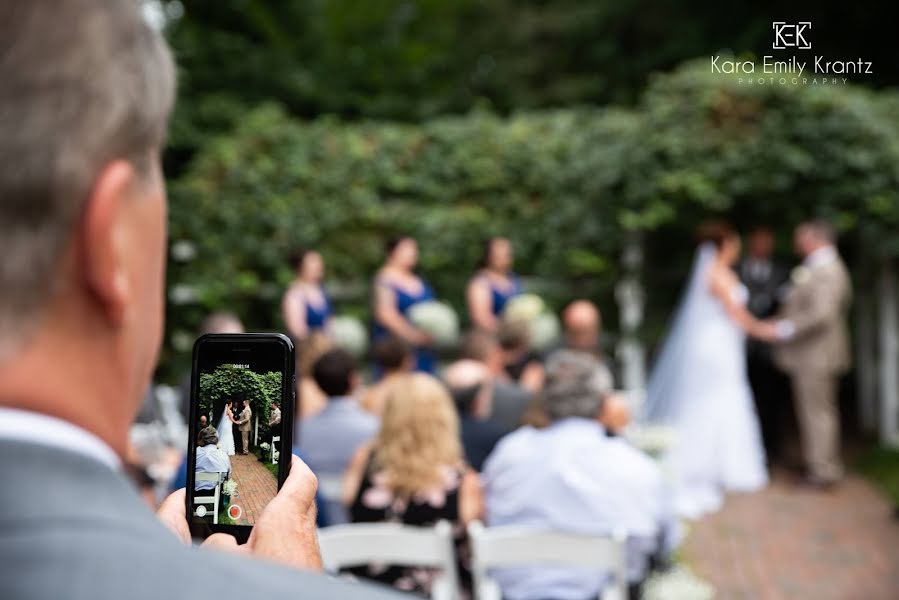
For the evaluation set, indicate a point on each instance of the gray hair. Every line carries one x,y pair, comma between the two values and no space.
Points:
576,385
209,436
84,82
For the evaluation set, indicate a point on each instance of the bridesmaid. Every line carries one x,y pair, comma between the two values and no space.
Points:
306,307
493,285
397,288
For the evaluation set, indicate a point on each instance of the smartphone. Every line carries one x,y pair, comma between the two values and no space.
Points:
243,398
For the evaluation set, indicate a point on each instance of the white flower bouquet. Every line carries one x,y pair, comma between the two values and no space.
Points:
229,488
265,446
277,455
436,319
530,309
655,440
523,308
349,334
677,583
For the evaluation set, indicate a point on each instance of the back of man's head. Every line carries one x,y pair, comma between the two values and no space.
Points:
581,320
84,83
576,385
335,373
393,354
221,322
86,88
465,379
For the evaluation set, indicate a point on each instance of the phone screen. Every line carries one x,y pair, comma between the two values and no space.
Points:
242,406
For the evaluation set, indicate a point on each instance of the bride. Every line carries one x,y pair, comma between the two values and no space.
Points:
226,431
699,384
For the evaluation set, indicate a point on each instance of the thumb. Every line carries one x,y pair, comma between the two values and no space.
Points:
285,531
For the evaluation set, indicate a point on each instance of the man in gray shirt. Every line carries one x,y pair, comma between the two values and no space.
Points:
329,439
87,88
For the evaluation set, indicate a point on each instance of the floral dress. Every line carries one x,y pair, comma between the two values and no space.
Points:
377,503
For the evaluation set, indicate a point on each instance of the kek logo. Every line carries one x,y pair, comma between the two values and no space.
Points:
791,35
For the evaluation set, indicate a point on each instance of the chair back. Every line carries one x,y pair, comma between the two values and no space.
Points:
214,499
359,544
510,546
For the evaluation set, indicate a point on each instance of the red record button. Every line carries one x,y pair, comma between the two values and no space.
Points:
235,511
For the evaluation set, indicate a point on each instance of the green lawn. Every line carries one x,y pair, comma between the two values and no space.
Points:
881,465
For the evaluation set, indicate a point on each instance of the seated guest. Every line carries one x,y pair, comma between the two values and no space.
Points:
393,357
414,473
572,477
211,459
508,401
308,352
582,329
470,386
521,363
202,423
329,439
215,322
87,87
274,424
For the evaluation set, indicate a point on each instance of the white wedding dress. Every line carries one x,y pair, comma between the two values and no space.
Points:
226,434
699,387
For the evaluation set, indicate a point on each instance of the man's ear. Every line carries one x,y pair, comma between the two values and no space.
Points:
104,264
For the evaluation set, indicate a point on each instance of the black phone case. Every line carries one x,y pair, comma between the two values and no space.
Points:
201,530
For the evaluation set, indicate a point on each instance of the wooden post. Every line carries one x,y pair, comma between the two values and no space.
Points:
889,355
866,361
631,301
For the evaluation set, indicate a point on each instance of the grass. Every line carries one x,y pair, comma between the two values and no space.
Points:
264,459
881,465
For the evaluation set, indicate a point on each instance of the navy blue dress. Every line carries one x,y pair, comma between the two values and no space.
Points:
501,296
317,316
425,358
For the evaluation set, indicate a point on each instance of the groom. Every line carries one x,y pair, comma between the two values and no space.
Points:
812,346
243,425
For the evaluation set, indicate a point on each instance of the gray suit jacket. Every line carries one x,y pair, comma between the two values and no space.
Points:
72,528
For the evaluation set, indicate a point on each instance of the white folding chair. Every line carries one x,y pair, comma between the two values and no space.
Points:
276,438
359,544
508,546
214,499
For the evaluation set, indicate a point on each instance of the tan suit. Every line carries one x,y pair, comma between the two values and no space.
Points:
243,426
815,356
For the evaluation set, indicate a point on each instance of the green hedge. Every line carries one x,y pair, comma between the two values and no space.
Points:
230,383
567,186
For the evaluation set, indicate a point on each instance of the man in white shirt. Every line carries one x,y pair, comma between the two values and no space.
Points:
87,89
211,459
573,477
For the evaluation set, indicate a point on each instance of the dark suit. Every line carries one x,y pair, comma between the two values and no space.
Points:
766,282
479,437
71,527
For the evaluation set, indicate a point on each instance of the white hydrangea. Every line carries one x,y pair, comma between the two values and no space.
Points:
652,439
545,331
349,333
677,583
523,308
436,319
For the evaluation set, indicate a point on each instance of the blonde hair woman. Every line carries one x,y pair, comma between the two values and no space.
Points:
413,473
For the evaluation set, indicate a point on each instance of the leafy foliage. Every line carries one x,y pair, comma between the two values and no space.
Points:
228,382
567,186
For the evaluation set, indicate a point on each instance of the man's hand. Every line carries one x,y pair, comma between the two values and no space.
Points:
284,533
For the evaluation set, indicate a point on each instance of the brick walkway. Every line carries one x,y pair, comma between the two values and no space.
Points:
256,486
786,542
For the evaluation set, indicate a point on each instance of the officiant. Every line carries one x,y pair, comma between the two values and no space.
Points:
766,281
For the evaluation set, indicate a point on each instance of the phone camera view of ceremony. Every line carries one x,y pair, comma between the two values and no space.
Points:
237,446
